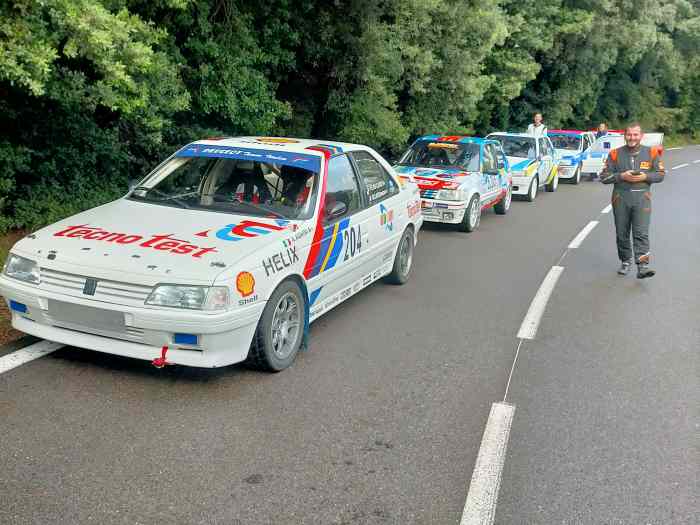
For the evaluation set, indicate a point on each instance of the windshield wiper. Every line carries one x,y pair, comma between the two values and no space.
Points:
159,192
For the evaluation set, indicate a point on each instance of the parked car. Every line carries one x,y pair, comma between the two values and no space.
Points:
533,161
571,146
458,177
224,253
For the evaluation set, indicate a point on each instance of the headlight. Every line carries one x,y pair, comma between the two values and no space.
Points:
22,269
190,297
451,195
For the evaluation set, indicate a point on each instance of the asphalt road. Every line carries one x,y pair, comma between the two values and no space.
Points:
381,420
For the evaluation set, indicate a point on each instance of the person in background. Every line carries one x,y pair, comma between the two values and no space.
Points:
602,130
537,128
633,168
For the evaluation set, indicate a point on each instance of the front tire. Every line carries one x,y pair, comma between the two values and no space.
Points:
280,330
504,204
532,191
577,176
552,186
403,260
472,215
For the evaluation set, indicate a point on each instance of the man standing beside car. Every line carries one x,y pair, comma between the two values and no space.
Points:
602,130
633,168
537,128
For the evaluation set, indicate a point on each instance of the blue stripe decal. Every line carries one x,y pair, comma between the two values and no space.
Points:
314,295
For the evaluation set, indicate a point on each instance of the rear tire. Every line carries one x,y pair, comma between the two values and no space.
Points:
403,260
472,215
532,191
280,331
504,204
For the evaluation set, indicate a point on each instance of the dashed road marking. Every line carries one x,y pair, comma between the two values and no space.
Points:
480,507
680,166
606,209
696,161
25,355
588,228
673,149
528,328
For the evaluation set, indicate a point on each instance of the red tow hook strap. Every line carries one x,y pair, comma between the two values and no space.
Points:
160,362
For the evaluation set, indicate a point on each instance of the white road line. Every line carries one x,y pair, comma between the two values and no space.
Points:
528,329
606,209
512,368
480,507
673,149
582,235
696,161
680,166
25,355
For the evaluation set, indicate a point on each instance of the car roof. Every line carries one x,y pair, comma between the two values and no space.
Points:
288,144
573,132
462,139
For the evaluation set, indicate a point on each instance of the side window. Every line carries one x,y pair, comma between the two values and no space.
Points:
501,158
543,147
378,183
488,162
341,187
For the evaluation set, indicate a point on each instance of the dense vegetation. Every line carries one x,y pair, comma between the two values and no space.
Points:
94,92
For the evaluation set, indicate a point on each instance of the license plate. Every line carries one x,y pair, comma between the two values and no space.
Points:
87,316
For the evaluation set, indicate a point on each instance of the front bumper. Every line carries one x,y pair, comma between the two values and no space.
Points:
521,185
223,337
447,212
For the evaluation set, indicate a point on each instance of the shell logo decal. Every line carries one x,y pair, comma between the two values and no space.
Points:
245,284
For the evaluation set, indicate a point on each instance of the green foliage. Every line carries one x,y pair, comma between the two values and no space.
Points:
94,93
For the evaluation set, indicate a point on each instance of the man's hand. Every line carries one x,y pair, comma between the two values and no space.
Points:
631,176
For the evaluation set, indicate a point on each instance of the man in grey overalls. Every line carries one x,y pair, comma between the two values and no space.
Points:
633,168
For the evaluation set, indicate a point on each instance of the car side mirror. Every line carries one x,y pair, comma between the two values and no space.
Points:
337,210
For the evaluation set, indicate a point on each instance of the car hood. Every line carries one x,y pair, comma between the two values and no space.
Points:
149,243
519,163
434,178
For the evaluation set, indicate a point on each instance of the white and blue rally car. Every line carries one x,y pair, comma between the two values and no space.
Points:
458,177
572,147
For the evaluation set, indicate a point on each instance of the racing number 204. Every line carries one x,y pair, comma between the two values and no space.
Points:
352,238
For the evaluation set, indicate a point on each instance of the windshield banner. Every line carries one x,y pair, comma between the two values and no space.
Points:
300,160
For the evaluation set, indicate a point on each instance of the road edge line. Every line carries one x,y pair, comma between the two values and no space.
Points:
528,328
27,354
482,497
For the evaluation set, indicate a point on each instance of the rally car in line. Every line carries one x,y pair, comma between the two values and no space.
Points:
533,162
224,253
594,160
572,147
458,177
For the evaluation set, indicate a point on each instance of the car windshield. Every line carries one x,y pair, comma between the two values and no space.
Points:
524,147
232,185
442,155
570,142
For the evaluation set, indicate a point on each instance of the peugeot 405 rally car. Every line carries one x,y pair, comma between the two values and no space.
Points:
225,252
458,177
572,147
533,162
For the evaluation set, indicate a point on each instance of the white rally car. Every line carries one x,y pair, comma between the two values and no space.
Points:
594,161
225,252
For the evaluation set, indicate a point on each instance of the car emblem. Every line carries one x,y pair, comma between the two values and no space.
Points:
90,286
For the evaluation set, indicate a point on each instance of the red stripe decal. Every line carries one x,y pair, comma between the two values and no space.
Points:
318,232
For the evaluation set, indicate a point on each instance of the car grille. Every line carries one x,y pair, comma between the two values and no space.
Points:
106,291
428,194
107,323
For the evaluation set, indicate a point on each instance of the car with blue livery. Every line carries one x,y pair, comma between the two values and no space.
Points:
533,162
594,161
459,177
572,147
224,253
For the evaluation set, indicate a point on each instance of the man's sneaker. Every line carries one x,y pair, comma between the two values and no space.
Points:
643,271
624,268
